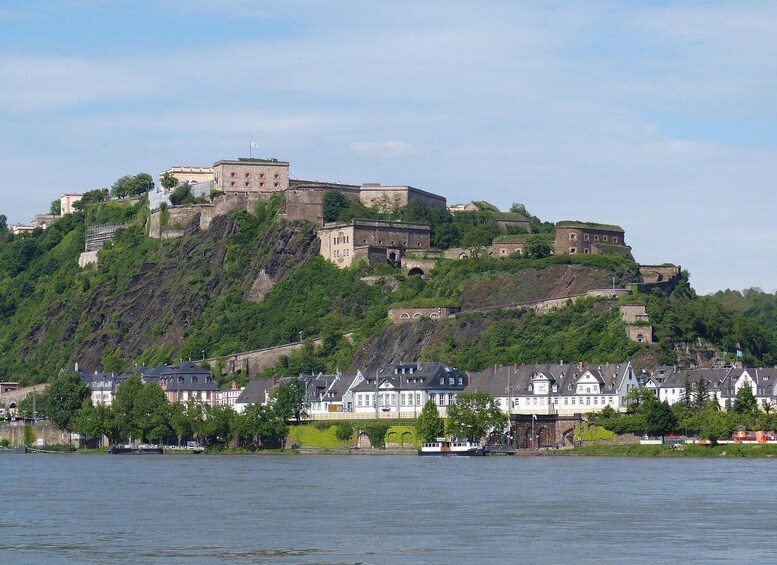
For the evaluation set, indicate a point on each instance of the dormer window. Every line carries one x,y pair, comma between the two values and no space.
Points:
442,380
194,380
180,380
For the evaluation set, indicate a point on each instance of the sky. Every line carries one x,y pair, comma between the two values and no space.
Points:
656,116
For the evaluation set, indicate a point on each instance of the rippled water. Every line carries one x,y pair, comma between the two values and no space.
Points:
360,509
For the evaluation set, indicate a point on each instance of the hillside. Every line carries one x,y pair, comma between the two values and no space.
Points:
255,280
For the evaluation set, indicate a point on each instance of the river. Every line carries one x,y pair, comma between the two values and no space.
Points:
404,509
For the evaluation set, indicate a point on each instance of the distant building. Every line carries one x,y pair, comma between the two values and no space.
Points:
390,196
251,175
21,230
42,220
587,237
189,175
66,202
378,241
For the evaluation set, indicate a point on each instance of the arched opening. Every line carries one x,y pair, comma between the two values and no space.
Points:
415,271
640,338
392,256
404,316
416,316
435,316
463,256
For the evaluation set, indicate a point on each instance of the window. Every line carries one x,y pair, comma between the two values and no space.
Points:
433,397
588,400
573,401
596,237
247,175
261,183
451,396
359,399
572,250
194,379
232,175
442,380
586,237
587,250
261,175
232,183
572,236
180,380
451,381
246,183
461,381
604,238
276,176
614,239
275,184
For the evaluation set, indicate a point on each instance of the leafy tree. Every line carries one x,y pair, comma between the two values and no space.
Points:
180,421
288,400
261,425
124,408
132,185
429,424
376,433
536,248
334,203
713,425
3,222
474,415
344,431
217,425
477,238
64,397
150,413
745,402
168,181
92,197
56,207
637,398
182,195
659,419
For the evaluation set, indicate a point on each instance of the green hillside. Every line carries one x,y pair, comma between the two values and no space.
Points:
150,301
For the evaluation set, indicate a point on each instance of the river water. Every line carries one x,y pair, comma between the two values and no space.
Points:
404,509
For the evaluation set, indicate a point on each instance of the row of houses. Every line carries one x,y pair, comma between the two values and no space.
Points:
396,390
722,384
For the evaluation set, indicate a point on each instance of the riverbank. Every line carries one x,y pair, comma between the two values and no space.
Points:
682,450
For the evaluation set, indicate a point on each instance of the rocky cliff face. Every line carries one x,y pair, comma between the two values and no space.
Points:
173,288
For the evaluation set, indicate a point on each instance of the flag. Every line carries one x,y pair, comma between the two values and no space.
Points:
254,144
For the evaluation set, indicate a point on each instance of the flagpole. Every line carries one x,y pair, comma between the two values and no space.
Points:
250,149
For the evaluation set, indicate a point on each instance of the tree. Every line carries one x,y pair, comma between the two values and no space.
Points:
168,181
262,426
3,222
701,397
150,413
124,408
429,424
92,197
536,248
182,195
713,425
64,397
477,238
344,431
334,203
217,425
56,207
180,421
745,402
659,419
288,400
474,414
637,398
687,400
376,433
129,185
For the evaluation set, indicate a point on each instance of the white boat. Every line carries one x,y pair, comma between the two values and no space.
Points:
444,447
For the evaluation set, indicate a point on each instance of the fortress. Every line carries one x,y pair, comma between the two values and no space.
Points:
240,183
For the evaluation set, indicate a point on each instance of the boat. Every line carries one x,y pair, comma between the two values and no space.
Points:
142,449
444,447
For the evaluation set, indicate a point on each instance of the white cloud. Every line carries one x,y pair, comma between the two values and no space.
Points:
383,148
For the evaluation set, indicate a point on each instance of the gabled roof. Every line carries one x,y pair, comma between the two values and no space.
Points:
255,391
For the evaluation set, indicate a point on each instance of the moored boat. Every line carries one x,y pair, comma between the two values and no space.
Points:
444,447
143,449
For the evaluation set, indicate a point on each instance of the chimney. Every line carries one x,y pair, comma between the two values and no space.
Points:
580,365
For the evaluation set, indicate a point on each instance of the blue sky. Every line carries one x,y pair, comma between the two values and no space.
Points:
657,116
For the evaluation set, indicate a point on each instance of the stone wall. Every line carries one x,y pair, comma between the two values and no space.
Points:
179,219
658,273
406,314
418,266
640,333
87,258
44,430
